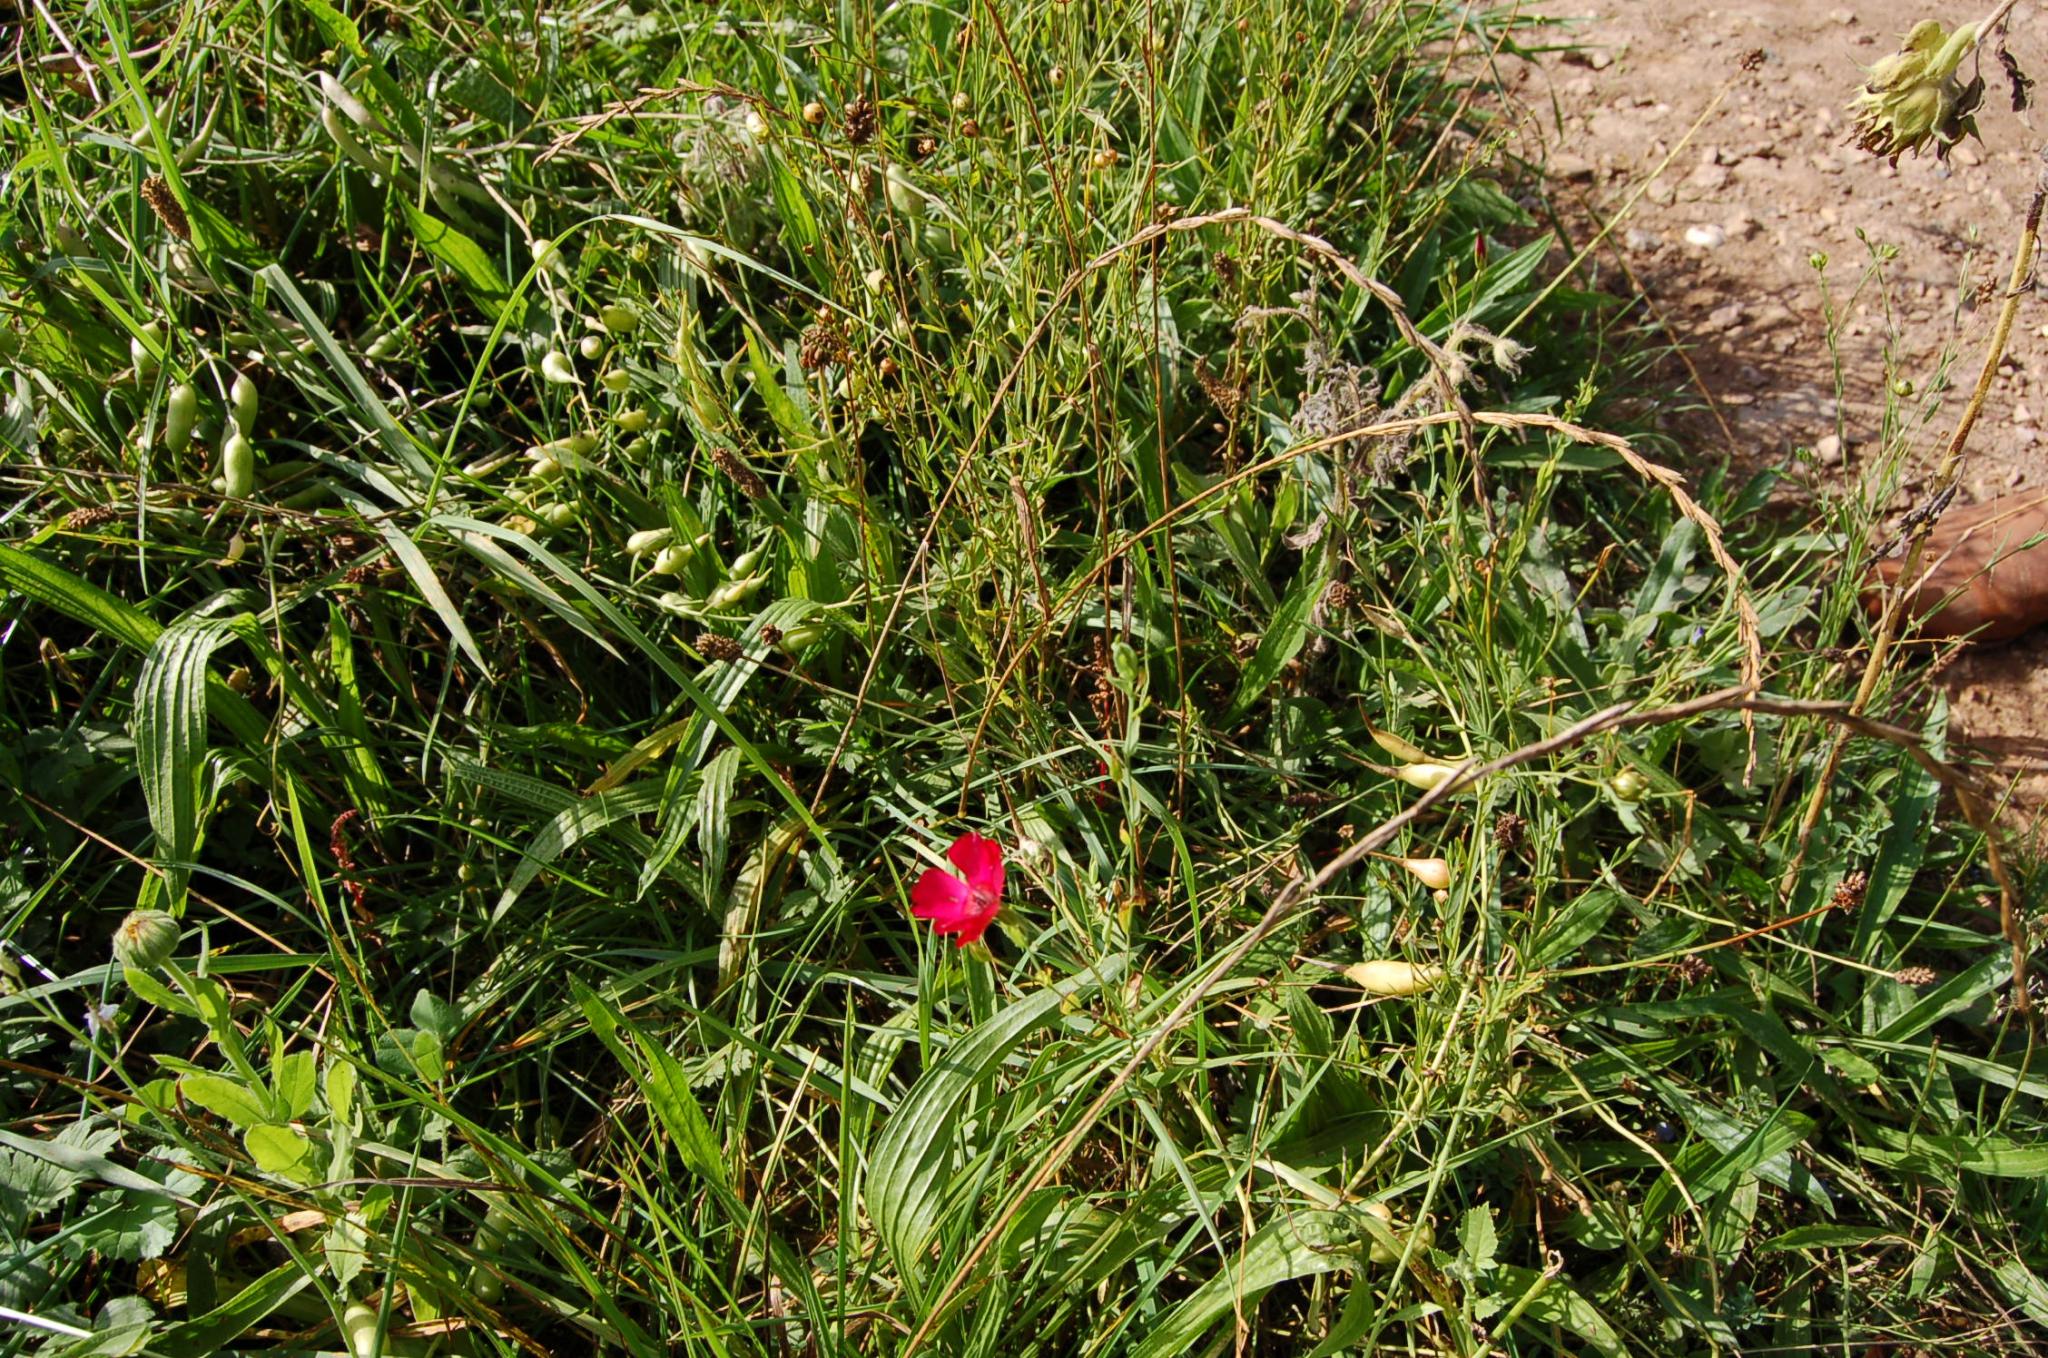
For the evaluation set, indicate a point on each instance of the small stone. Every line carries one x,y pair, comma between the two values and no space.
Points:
1965,154
1844,17
1712,236
2022,415
1723,318
1709,178
1826,164
1575,169
1600,58
1638,241
1740,226
1828,450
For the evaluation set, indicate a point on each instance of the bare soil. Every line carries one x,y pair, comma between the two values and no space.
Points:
1747,222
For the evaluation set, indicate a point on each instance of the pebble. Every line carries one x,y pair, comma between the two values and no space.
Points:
1723,318
2022,415
1827,450
1712,236
1573,168
1638,241
1709,177
1740,225
1965,154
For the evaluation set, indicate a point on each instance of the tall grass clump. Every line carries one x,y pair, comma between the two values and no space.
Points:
530,531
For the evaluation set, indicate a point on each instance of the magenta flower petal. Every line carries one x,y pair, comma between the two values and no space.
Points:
980,861
942,898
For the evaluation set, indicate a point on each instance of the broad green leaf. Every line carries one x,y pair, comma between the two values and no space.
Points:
714,828
213,1332
466,259
126,1226
170,741
661,1078
914,1155
1575,924
1286,633
227,1099
1300,1244
281,1151
293,1081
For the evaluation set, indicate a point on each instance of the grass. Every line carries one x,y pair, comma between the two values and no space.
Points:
680,511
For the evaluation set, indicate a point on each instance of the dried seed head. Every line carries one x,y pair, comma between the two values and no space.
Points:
157,193
1693,969
91,516
713,646
1508,830
961,103
861,121
1915,976
969,128
1849,891
771,635
922,148
1338,597
739,473
821,343
1104,159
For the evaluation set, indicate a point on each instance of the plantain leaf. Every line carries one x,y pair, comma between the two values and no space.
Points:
170,741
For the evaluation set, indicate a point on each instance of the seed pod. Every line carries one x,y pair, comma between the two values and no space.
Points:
814,113
556,368
345,140
385,346
1425,774
903,196
242,403
544,468
1057,75
670,561
359,1329
1387,976
618,381
961,103
591,347
877,279
1434,873
143,350
237,467
181,410
744,562
648,540
735,592
1380,1253
620,318
1628,785
146,939
556,515
633,421
796,639
338,95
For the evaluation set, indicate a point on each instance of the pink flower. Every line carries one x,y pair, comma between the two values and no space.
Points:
965,905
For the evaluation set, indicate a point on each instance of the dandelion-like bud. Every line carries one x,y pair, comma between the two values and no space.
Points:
145,940
1913,96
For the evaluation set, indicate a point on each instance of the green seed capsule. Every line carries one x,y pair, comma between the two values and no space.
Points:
143,349
556,368
237,467
557,515
591,347
242,400
735,592
648,540
181,411
359,1329
619,318
618,380
633,421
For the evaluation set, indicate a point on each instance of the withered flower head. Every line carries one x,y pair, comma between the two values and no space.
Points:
1913,96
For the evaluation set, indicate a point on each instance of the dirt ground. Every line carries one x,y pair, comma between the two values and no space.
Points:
1723,243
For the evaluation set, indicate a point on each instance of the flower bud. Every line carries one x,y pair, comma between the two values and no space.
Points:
146,939
1628,785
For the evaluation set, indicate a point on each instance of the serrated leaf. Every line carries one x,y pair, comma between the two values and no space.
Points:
281,1151
1478,1241
227,1099
126,1226
170,741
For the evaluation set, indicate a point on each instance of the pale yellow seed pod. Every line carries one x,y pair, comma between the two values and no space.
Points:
1387,976
1434,873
